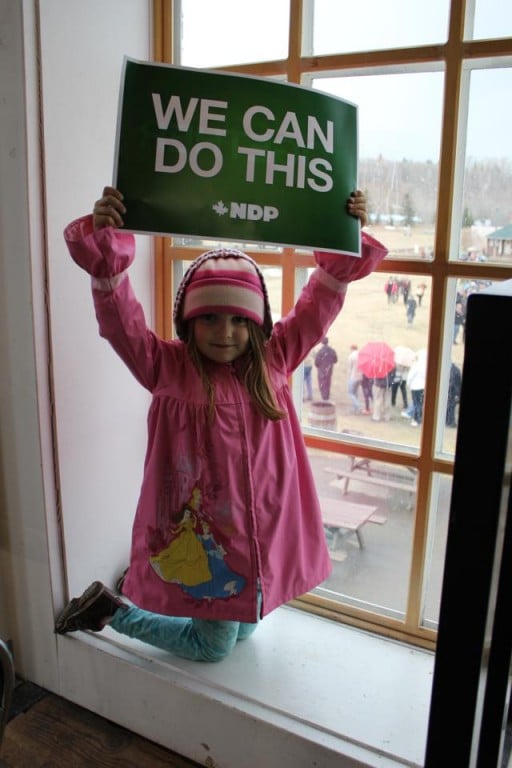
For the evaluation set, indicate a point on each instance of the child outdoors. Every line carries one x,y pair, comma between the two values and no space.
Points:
228,524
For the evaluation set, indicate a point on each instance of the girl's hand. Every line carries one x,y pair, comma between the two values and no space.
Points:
108,209
356,206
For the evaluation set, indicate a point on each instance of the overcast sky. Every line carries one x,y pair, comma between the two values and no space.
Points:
399,115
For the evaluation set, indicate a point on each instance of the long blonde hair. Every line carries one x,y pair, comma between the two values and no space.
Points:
255,376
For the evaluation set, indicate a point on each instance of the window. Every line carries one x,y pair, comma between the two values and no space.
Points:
431,82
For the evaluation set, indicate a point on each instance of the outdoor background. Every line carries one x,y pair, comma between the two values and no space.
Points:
376,577
367,316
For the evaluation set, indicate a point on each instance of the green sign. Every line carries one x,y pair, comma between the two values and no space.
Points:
232,157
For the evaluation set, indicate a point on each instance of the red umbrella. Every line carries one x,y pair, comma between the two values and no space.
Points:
376,359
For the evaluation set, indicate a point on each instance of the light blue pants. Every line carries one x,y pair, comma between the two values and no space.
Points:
195,639
353,387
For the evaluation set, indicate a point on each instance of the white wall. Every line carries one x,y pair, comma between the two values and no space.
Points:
20,473
47,178
100,419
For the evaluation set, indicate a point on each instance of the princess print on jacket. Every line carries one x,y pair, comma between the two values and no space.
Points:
193,559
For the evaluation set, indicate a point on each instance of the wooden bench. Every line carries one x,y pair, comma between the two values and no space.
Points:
343,477
339,515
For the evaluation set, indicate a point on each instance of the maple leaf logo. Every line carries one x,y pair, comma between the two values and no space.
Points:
219,208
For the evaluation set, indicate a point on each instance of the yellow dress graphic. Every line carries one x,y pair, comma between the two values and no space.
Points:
184,560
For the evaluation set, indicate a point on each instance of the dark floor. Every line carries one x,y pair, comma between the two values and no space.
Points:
46,731
25,695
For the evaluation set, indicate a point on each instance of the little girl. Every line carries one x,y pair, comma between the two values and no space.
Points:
228,524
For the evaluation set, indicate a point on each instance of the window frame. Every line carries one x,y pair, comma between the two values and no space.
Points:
454,57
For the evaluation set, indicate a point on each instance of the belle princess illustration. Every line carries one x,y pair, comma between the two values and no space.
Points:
193,558
184,560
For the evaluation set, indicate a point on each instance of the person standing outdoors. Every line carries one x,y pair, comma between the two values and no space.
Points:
325,360
354,378
382,397
308,378
458,321
454,387
400,383
410,309
420,292
367,387
416,383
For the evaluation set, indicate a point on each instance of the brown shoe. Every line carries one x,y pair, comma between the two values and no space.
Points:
120,582
89,611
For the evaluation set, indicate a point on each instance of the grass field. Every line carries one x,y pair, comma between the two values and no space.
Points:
367,316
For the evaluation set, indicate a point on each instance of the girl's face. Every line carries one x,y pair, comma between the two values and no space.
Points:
221,337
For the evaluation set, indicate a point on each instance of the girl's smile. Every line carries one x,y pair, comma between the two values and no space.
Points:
221,337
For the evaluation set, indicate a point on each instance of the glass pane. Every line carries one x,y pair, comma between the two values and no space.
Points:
439,514
390,310
274,282
486,222
453,359
399,120
342,27
368,511
493,18
449,397
230,32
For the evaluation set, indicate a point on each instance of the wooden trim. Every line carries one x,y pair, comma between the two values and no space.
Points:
355,617
448,57
162,30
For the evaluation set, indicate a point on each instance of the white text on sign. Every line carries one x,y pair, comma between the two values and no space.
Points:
259,124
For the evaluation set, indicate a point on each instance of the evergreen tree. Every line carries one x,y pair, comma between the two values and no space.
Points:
408,210
467,218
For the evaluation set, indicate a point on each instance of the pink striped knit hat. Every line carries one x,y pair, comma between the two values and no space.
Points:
222,281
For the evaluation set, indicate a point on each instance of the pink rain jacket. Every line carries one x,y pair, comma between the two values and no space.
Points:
224,506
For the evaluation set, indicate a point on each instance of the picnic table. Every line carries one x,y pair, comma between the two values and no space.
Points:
363,471
342,517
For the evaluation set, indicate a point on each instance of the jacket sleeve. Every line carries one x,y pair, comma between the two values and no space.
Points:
346,268
322,299
106,254
318,305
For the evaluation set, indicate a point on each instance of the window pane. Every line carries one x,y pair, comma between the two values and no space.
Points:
342,27
439,512
493,18
453,357
368,511
230,32
373,312
400,111
399,120
449,394
486,221
274,282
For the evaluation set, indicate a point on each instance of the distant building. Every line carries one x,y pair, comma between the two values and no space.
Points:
499,243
